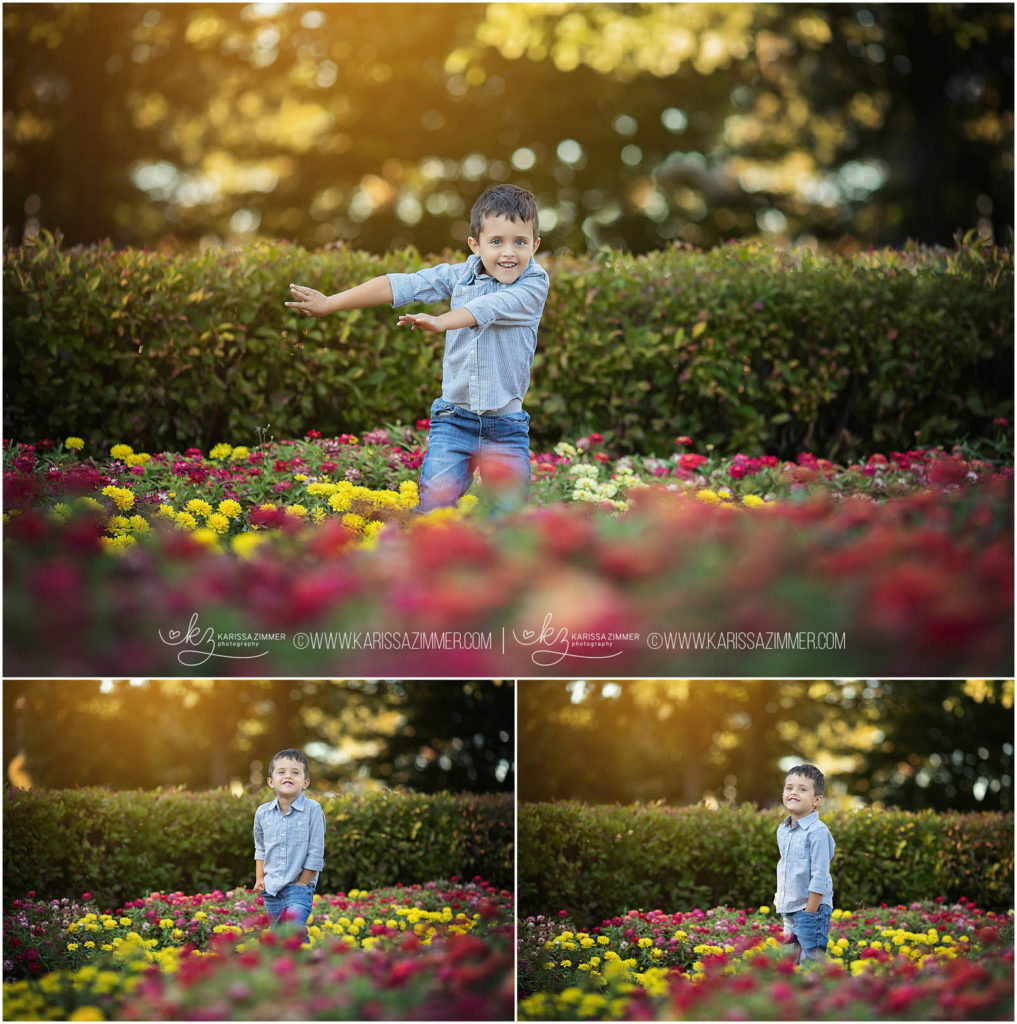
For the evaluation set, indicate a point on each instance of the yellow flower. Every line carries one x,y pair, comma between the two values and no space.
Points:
762,910
372,529
752,501
117,545
300,477
230,508
240,452
603,940
466,502
185,521
72,946
87,1013
118,525
708,496
218,523
353,522
166,512
209,538
74,443
139,524
122,497
297,511
138,459
645,943
199,507
121,451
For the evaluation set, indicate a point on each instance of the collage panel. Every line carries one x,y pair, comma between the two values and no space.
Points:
258,849
765,849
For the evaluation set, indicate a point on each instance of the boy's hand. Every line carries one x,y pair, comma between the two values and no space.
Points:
421,321
259,885
309,301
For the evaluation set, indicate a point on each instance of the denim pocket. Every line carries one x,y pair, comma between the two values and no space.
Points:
812,930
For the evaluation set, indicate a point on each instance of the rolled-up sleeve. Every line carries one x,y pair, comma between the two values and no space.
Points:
520,303
821,847
315,859
259,838
432,284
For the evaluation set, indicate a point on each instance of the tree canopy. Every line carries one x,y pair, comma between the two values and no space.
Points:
636,125
945,745
358,734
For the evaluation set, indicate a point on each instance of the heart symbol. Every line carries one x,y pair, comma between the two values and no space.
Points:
528,634
174,634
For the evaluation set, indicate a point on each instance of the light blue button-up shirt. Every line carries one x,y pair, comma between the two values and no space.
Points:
806,849
290,842
486,368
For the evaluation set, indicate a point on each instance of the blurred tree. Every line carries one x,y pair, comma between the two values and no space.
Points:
944,744
212,733
635,124
938,745
455,736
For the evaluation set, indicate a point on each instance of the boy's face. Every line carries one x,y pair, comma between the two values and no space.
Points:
504,247
800,796
288,778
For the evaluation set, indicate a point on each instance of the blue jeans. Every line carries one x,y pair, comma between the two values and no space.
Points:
290,905
811,931
460,442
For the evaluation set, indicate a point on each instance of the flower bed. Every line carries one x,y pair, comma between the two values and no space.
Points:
437,951
929,961
141,565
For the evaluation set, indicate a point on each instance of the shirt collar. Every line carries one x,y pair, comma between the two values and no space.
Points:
297,805
804,823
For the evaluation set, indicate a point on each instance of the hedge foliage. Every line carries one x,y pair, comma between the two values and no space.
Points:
122,845
599,861
744,347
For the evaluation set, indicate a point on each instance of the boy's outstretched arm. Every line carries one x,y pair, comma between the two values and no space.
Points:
450,321
376,292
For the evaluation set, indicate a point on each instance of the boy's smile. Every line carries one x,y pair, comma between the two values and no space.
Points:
288,780
800,797
505,247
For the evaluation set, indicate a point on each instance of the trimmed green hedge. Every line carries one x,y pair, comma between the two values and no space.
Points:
744,347
121,845
600,861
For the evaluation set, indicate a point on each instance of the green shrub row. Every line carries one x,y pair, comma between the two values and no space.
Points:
600,861
122,845
743,347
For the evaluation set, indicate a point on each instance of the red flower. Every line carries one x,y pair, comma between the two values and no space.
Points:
683,441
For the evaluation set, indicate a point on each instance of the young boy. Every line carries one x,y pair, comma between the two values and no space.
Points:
804,885
289,841
497,297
